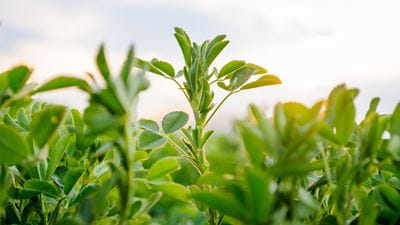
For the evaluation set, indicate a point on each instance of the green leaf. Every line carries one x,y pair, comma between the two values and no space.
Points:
102,65
17,77
390,195
145,65
43,187
268,130
12,123
253,144
109,99
341,112
259,69
162,168
140,156
258,195
45,123
163,66
373,105
173,190
215,51
265,80
127,67
98,119
56,153
211,178
240,76
79,127
222,203
149,125
12,146
185,44
230,67
64,82
71,178
297,168
4,80
23,119
223,85
84,192
393,147
148,140
174,121
345,120
395,121
149,203
307,199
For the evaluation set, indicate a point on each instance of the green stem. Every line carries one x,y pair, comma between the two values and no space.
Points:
217,108
180,88
183,153
130,148
212,82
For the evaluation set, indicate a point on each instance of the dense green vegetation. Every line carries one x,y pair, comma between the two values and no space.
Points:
302,165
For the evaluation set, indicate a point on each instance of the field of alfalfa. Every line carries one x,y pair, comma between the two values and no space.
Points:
103,165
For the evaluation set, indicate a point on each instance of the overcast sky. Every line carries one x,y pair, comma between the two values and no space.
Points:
312,45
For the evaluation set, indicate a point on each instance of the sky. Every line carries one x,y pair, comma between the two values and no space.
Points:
312,45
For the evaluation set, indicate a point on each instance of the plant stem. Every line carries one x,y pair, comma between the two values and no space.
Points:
180,88
218,106
182,152
130,148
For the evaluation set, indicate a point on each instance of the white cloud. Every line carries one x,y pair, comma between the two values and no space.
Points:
311,44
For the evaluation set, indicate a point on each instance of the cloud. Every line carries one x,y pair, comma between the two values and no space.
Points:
312,45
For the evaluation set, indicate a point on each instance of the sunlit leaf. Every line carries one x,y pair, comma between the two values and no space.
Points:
17,77
265,80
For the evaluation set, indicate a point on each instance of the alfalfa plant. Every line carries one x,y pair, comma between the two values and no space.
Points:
314,165
109,116
59,165
196,80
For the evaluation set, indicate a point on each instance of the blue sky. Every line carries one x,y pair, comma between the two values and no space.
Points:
312,45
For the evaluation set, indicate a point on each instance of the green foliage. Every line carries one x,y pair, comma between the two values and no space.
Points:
12,146
45,123
300,165
41,186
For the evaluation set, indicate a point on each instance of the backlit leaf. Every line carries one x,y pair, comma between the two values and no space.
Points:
265,80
